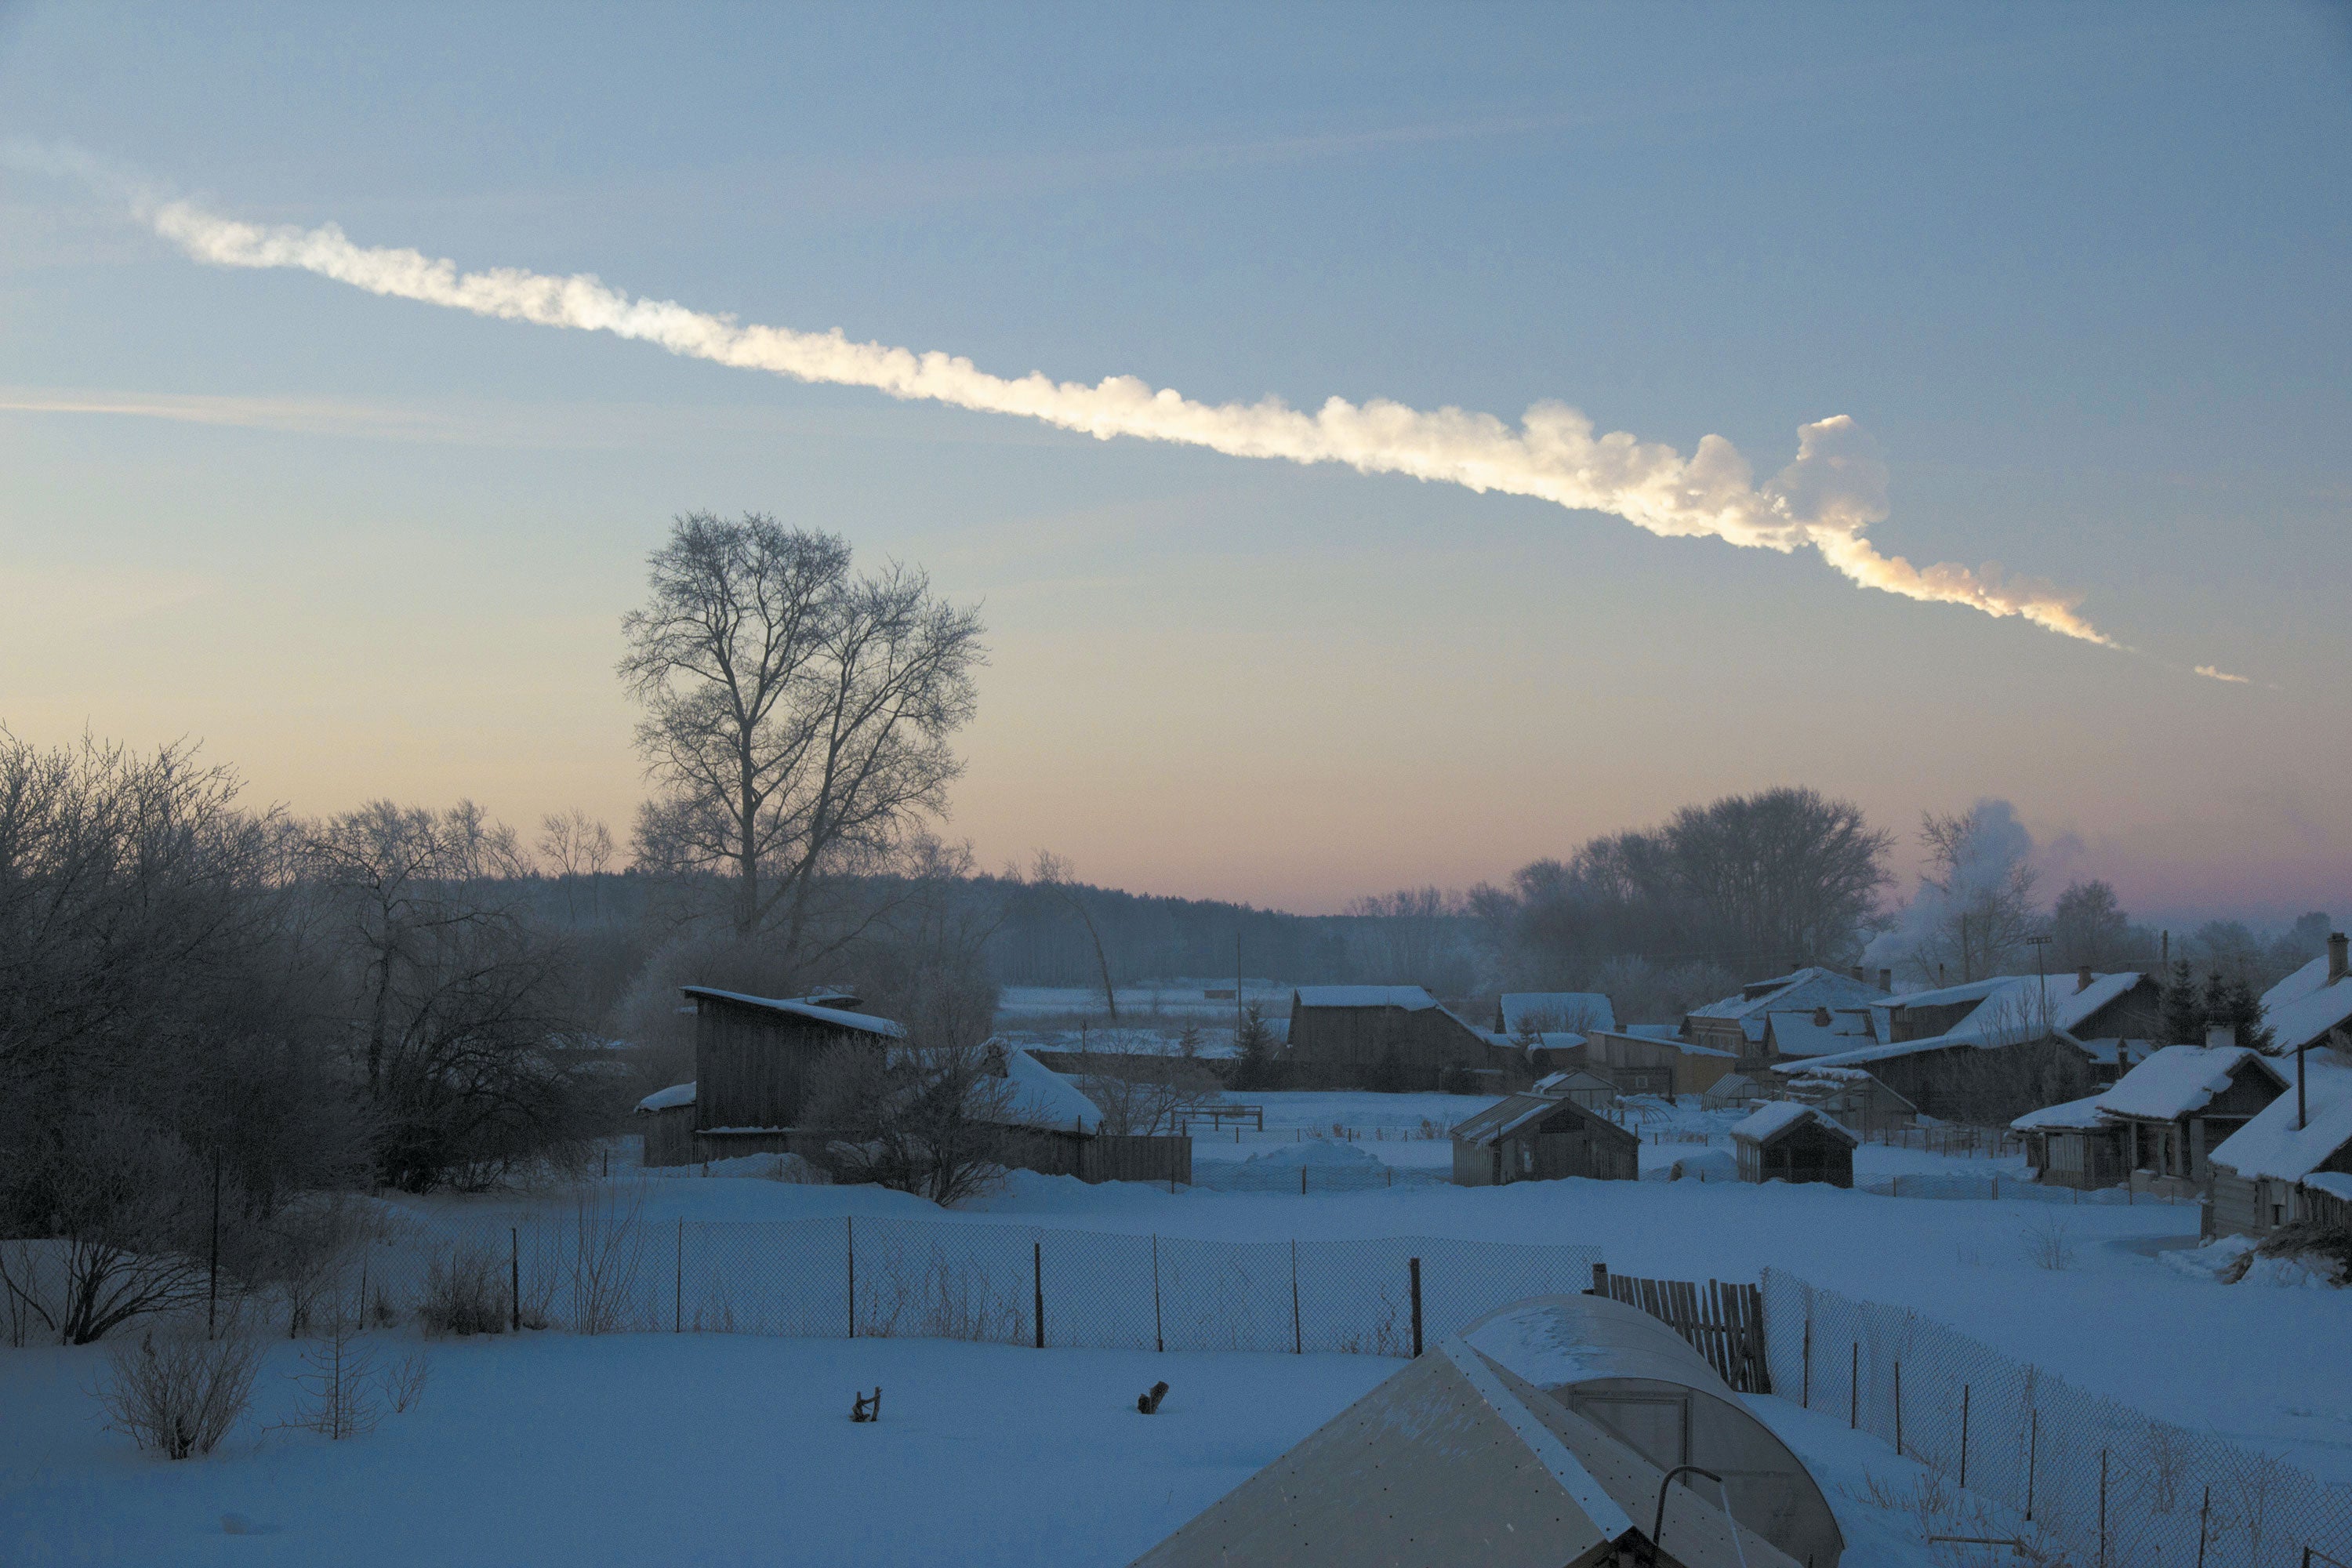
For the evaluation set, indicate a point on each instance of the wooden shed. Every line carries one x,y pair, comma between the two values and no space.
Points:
1786,1141
2073,1145
1540,1138
1588,1088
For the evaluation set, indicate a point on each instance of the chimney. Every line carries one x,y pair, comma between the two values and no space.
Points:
2082,979
1887,980
2336,957
2219,1036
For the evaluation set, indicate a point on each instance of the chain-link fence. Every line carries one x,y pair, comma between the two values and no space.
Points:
602,1269
2112,1487
1994,1185
1304,1179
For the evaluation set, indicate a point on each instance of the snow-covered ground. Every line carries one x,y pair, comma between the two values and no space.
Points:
728,1449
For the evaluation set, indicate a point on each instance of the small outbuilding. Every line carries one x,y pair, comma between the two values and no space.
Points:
2292,1162
1786,1141
1732,1089
1589,1089
1636,1378
2071,1144
1538,1138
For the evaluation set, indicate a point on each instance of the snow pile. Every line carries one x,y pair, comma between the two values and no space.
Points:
1043,1098
2304,1273
2209,1261
1318,1152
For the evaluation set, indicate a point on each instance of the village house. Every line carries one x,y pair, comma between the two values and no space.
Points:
1993,1049
2174,1109
1394,1037
2313,1006
1740,1025
1849,1096
2292,1162
2073,1144
1786,1141
1542,1138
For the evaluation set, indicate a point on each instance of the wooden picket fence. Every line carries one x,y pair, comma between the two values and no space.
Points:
1724,1323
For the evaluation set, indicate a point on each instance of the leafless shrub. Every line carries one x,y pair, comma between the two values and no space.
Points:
934,1298
404,1381
1155,1100
177,1393
339,1397
310,1250
2168,1461
608,1248
2050,1240
463,1292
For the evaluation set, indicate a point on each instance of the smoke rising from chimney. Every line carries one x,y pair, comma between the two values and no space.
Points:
1834,490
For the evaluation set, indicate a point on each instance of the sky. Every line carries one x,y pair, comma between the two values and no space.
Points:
2076,275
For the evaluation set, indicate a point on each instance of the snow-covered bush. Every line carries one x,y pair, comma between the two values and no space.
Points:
177,1393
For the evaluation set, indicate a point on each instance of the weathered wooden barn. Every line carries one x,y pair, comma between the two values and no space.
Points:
1786,1141
1540,1138
1654,1064
1393,1037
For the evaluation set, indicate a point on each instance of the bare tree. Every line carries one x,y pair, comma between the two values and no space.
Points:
931,1119
578,846
1978,892
797,716
1052,873
1414,936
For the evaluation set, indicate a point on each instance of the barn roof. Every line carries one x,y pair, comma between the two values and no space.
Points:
1564,1009
1776,1118
2273,1145
2180,1080
1559,1083
1804,1033
1686,1047
1804,988
863,1022
668,1099
1510,1114
2072,1115
2301,1008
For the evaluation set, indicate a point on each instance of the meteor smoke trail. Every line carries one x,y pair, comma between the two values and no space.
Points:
1833,490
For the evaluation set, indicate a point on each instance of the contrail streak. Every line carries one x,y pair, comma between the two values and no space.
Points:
1826,499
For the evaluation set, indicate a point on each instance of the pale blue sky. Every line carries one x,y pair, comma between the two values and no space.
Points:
2081,272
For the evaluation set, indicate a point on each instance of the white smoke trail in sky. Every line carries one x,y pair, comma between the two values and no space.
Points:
1826,499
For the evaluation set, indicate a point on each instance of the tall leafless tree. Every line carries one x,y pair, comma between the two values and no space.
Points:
797,715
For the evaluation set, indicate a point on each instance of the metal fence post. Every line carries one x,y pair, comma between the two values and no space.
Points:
1038,1282
1853,1391
850,1223
1159,1338
2102,1508
1898,1407
514,1276
2205,1513
1414,1264
1805,1397
1297,1336
678,1299
1964,1435
2032,1453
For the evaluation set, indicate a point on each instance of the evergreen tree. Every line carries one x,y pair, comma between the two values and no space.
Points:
2233,1002
2184,1008
1258,1068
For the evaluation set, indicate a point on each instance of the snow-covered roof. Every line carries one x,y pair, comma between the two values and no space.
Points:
2301,1008
1510,1114
1412,998
2180,1080
668,1099
1654,1031
1559,1083
1043,1098
1559,1010
1803,1034
2273,1145
1769,1121
1808,988
2008,1007
1686,1047
2334,1183
2069,1115
864,1023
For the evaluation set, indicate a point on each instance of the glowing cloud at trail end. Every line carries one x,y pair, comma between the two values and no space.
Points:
1825,498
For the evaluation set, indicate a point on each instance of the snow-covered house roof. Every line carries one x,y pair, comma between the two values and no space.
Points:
2072,1115
1770,1121
1555,1010
2180,1080
1043,1098
2301,1009
1560,1083
1803,989
1654,1031
863,1022
668,1099
1412,998
1512,1113
1687,1048
2273,1145
2008,1008
1819,1031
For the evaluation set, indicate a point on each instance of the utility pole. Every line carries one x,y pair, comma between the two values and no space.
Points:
2040,946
